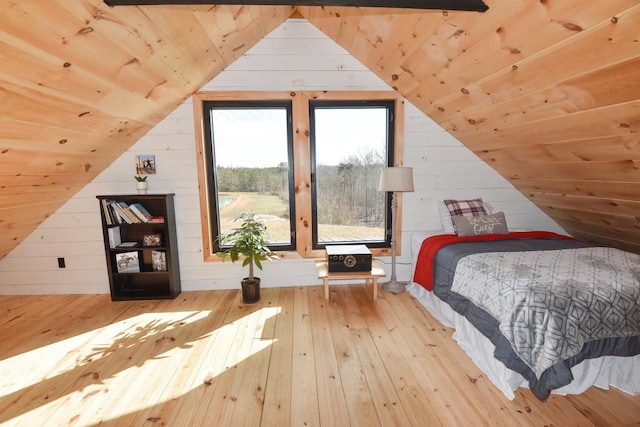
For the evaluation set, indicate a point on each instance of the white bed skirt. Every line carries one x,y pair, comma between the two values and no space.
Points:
604,372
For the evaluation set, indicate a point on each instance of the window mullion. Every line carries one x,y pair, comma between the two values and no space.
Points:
302,173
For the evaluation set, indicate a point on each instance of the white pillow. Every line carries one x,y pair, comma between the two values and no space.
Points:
445,215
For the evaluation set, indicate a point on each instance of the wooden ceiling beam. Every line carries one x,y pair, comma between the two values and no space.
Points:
467,5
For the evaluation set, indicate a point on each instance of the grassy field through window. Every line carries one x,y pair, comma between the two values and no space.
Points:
274,213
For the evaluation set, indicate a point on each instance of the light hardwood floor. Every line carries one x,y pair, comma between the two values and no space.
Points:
205,359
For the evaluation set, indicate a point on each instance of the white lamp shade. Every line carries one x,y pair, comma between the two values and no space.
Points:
396,179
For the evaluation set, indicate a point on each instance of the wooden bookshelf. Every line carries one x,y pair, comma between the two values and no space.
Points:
141,254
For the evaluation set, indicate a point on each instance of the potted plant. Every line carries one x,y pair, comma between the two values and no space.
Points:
250,241
141,184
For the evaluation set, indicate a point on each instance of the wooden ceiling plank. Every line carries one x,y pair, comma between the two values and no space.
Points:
22,104
588,219
599,189
615,148
48,140
32,199
454,35
600,46
340,24
253,28
384,44
67,78
181,25
604,240
40,70
22,63
149,50
235,29
149,46
551,22
616,120
73,182
612,232
621,170
70,36
369,35
508,43
16,188
611,85
179,71
606,206
17,162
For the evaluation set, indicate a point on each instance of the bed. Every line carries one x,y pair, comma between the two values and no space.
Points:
534,309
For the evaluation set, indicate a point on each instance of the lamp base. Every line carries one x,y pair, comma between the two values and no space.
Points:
394,287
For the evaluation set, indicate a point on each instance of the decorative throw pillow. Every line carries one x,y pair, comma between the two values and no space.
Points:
452,207
481,225
445,217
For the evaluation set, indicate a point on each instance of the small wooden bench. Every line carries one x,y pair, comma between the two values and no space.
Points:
370,277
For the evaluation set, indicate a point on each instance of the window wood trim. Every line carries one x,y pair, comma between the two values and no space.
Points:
302,163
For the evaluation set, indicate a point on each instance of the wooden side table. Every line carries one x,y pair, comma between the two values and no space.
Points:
370,277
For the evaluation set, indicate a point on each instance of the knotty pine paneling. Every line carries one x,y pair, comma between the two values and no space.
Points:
80,82
600,189
612,40
608,86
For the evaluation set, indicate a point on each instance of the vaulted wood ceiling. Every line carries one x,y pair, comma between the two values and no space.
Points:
546,91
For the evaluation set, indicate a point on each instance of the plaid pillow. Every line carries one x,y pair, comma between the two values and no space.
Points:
473,207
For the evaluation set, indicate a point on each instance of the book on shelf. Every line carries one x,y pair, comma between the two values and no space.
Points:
128,262
123,213
115,216
159,260
157,219
140,212
127,211
106,211
124,217
114,237
128,245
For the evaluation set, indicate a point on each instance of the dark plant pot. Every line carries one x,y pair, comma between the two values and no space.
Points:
250,290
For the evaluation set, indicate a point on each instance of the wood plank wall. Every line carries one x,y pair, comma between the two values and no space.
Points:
545,91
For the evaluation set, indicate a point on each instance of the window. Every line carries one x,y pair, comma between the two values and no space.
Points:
351,141
307,163
249,145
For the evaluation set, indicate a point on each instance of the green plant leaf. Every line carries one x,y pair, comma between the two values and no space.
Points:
248,240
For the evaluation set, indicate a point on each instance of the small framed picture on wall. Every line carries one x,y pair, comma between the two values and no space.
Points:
145,164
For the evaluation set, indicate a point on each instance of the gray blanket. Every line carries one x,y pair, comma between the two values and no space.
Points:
558,373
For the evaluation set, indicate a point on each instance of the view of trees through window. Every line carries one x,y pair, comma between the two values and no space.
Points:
251,146
350,147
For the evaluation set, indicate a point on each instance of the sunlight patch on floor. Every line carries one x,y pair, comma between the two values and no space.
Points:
53,360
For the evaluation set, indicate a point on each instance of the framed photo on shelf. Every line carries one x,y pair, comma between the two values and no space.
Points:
151,240
128,262
159,260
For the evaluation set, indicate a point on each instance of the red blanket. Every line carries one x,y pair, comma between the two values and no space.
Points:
424,264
